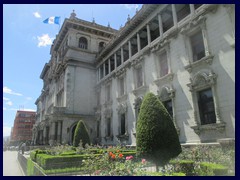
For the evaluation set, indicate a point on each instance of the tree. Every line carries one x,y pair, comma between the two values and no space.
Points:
157,138
81,134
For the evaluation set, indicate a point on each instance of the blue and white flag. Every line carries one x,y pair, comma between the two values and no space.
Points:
52,20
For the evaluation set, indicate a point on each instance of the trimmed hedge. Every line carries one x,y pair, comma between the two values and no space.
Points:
164,174
157,139
68,159
57,162
213,169
81,134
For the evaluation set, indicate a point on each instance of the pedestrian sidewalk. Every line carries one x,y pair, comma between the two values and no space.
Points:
11,166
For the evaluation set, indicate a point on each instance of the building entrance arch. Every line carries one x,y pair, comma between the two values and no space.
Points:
71,133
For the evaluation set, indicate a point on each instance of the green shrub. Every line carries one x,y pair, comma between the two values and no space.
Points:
81,135
48,162
157,138
33,154
185,166
208,169
67,153
164,174
30,167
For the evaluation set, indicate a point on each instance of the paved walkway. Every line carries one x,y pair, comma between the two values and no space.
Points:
11,167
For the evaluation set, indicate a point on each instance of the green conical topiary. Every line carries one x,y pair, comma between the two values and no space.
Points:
157,138
81,134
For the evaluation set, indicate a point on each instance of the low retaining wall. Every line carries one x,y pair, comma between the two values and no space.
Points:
23,161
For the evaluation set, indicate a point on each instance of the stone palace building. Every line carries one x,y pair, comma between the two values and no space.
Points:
184,53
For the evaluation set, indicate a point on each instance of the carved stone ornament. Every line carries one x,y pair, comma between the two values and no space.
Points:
166,93
164,80
108,113
207,60
192,24
121,72
198,129
201,79
122,108
137,62
140,91
138,102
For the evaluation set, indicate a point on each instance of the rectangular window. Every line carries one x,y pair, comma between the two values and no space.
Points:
119,60
112,63
163,64
125,52
60,99
121,86
154,29
108,127
139,77
134,47
123,123
167,18
168,106
143,38
206,107
56,131
196,6
101,71
198,49
182,11
106,68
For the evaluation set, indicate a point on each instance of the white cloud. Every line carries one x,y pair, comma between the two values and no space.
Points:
9,91
13,109
29,109
130,6
4,108
6,99
37,15
6,131
28,98
9,103
44,40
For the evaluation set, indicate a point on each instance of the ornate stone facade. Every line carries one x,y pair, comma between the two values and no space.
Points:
180,52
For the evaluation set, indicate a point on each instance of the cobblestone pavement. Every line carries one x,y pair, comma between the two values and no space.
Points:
11,167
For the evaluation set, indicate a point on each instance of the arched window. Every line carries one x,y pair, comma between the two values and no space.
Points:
83,43
101,46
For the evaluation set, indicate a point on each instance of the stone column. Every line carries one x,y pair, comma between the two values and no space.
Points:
216,106
122,58
59,132
56,131
192,9
168,58
138,42
44,135
104,70
174,15
160,25
99,73
129,49
115,60
195,108
52,132
204,34
109,66
148,34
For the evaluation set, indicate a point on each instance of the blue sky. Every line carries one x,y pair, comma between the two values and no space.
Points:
26,47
